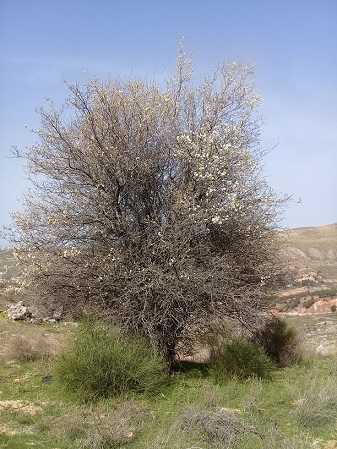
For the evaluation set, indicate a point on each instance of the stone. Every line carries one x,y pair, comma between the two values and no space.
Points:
57,314
320,350
47,379
19,311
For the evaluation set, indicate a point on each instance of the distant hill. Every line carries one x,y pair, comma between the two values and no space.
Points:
314,248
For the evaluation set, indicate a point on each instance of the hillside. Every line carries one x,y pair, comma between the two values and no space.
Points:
312,259
314,248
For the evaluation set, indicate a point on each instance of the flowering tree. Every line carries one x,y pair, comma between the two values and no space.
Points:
150,203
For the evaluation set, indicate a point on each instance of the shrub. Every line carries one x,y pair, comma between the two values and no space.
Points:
215,335
280,341
102,363
307,304
241,359
216,428
307,282
293,303
333,308
328,292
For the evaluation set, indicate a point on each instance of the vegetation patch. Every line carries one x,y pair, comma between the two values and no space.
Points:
293,303
21,406
293,410
102,426
280,341
327,292
101,362
307,304
241,359
25,349
319,402
219,428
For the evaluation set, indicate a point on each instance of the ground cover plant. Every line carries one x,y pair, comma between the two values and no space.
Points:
295,409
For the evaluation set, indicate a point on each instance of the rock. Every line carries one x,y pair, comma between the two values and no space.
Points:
49,320
19,311
47,379
320,350
57,314
36,320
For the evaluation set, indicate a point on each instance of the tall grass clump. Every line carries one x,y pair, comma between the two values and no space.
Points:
280,341
241,359
318,405
102,363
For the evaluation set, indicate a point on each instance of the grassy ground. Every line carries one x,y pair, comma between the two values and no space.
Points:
297,409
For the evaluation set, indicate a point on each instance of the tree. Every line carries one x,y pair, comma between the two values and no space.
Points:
151,204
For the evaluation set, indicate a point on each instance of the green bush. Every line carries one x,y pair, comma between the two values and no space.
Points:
280,342
328,292
293,303
101,362
241,359
307,304
333,308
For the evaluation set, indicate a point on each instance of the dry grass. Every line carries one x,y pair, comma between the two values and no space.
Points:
219,428
26,342
23,349
211,395
22,406
101,427
318,403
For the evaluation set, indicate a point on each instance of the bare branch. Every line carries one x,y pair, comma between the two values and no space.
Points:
151,204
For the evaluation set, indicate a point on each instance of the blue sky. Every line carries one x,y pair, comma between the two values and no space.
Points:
293,44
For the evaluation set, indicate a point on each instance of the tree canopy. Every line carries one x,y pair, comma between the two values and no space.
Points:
150,203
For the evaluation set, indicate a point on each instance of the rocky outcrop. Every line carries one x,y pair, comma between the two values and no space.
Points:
19,311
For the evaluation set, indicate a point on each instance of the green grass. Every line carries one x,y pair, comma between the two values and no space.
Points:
294,410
